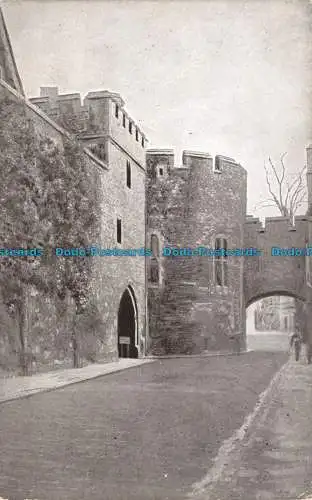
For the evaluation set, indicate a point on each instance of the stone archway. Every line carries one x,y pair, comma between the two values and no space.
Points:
127,325
275,292
274,314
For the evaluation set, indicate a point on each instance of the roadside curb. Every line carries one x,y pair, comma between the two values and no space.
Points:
204,355
39,390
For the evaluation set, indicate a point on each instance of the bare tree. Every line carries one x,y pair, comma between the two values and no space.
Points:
287,192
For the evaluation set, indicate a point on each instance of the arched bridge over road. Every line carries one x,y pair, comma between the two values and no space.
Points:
275,275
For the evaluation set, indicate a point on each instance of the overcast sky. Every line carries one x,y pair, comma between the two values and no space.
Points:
227,77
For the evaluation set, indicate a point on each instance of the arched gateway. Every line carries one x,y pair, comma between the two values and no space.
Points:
274,273
127,325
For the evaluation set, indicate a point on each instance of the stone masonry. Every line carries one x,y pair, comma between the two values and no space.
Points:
174,304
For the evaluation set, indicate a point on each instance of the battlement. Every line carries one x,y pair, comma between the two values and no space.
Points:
192,158
272,224
160,152
99,117
105,94
57,104
227,159
195,154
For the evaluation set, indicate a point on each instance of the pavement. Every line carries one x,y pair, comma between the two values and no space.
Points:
19,387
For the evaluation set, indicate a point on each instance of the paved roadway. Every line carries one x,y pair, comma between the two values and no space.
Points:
268,341
147,433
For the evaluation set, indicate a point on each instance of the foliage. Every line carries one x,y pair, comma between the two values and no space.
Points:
48,198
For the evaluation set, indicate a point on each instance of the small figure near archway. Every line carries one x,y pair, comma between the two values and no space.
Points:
296,343
127,326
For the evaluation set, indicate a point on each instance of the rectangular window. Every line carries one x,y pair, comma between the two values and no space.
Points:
116,110
118,230
161,171
136,134
124,120
130,127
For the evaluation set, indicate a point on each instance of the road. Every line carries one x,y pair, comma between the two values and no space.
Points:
268,341
147,433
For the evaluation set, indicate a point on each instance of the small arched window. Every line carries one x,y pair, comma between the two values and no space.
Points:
155,245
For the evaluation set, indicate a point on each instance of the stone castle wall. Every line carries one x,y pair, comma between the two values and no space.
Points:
195,304
190,207
111,275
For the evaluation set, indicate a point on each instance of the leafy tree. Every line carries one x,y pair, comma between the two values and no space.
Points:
48,198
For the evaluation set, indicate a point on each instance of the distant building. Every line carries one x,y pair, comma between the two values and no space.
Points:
275,313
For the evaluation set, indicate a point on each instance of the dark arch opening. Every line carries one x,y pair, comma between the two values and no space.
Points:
127,325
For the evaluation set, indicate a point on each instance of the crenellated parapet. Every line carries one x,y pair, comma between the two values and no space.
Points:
99,117
281,265
278,228
209,192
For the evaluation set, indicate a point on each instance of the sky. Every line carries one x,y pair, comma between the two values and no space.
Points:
225,77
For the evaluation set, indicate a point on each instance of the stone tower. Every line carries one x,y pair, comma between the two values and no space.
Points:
195,302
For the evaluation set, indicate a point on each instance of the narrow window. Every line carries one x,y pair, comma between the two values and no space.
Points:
93,148
218,271
161,171
128,174
218,164
143,142
130,127
136,134
124,120
118,230
225,271
154,245
98,150
218,244
154,271
225,265
116,110
221,263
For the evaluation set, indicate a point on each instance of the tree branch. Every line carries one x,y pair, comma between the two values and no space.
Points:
279,181
276,201
297,190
